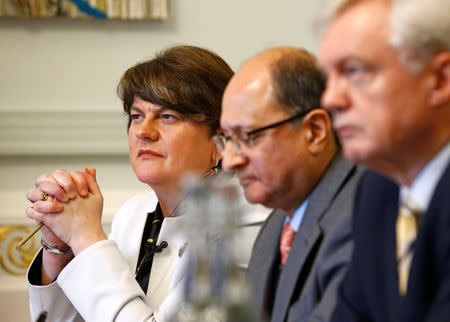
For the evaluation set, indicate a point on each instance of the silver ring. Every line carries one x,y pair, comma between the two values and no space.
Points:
44,196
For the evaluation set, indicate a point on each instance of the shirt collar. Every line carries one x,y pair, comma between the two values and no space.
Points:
297,217
422,188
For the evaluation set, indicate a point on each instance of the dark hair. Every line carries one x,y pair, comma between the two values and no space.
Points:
187,79
298,81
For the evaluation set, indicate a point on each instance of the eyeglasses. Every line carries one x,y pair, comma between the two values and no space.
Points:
238,142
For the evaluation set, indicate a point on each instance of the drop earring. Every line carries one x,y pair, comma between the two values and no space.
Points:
215,169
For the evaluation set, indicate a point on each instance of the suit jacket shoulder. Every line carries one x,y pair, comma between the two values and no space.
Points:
326,233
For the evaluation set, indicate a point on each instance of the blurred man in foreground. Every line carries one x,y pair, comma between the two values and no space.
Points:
388,71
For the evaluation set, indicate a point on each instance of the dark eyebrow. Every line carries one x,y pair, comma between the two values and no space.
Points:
135,109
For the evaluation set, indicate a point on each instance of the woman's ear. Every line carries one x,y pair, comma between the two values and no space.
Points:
317,130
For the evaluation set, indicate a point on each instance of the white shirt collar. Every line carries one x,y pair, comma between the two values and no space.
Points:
297,216
422,188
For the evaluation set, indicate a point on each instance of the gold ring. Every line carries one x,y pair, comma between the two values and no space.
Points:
44,196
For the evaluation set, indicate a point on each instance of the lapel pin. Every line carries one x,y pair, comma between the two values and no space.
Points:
182,249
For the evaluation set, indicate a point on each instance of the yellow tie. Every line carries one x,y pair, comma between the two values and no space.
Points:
408,222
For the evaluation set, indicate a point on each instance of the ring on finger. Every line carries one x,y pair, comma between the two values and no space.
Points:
44,196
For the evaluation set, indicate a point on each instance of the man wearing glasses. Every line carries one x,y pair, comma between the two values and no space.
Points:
281,145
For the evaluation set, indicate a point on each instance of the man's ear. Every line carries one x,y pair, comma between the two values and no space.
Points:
440,83
317,129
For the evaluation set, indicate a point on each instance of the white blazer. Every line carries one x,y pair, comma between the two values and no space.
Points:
99,284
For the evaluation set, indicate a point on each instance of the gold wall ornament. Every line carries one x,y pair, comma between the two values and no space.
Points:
12,260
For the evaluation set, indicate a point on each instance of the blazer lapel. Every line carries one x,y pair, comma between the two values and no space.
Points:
264,255
130,246
302,247
389,272
309,234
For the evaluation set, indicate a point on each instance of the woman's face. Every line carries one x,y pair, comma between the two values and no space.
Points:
164,145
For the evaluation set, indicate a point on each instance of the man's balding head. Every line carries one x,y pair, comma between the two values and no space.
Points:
282,140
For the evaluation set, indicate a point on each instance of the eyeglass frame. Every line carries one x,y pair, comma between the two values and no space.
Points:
248,141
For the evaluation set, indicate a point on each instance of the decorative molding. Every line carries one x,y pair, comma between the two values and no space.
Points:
63,133
16,261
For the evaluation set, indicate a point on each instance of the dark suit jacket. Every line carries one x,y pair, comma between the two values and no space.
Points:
370,289
319,254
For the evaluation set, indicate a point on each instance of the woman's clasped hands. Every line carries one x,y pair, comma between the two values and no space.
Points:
72,218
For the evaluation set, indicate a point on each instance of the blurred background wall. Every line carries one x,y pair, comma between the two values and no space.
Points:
58,106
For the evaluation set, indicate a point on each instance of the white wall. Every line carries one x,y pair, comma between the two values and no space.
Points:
53,66
62,64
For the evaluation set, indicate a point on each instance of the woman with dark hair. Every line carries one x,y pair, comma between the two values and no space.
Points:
173,107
